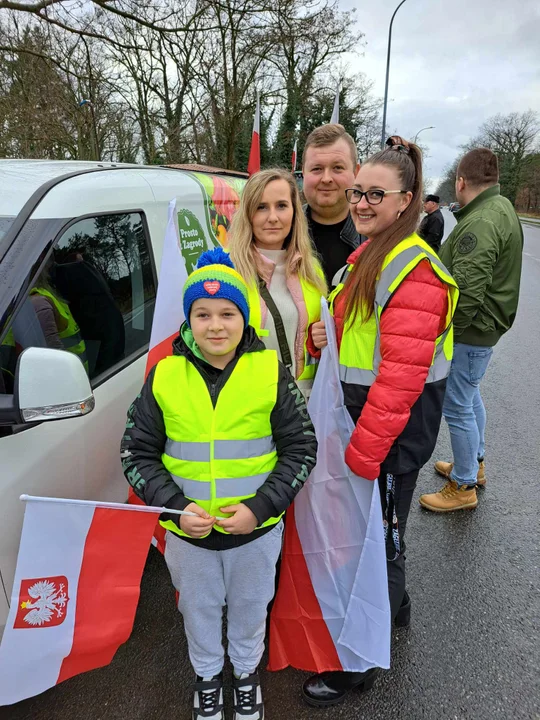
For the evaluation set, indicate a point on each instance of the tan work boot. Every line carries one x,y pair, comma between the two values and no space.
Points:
450,498
445,468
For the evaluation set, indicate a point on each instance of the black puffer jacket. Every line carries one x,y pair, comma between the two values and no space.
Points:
144,442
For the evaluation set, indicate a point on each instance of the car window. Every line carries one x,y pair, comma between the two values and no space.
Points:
94,297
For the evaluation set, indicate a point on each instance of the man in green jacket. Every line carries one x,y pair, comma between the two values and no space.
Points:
483,253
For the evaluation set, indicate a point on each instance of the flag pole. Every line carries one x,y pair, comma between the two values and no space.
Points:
109,505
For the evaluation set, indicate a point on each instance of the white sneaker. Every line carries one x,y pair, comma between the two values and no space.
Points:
208,698
248,702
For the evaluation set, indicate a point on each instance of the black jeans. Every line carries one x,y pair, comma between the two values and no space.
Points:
404,490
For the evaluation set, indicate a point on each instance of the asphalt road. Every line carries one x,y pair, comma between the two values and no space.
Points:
472,649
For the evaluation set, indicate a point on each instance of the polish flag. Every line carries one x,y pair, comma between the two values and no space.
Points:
331,610
75,593
294,156
335,111
254,162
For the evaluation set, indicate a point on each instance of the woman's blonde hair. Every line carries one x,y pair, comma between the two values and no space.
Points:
245,257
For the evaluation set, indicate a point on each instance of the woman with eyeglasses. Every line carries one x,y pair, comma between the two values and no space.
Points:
393,314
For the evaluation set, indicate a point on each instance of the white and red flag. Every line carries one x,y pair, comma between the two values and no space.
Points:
332,610
169,310
254,162
294,156
75,593
335,111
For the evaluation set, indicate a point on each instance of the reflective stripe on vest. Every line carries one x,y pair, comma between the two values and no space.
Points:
225,487
223,449
312,300
360,351
220,455
71,337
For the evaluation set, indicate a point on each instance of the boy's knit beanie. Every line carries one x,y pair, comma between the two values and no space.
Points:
215,277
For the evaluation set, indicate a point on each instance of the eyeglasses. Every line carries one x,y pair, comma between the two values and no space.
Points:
373,197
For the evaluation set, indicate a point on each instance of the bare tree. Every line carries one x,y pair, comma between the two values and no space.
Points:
134,81
512,137
56,97
310,40
528,199
231,69
84,17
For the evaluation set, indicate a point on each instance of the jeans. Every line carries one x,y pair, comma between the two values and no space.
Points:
404,490
464,410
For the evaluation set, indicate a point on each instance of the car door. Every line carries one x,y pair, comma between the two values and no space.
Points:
94,293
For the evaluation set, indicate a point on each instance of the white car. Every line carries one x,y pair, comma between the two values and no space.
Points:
80,246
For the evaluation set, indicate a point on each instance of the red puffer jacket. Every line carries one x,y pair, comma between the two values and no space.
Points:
385,430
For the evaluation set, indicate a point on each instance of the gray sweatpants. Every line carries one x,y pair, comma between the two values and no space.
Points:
241,578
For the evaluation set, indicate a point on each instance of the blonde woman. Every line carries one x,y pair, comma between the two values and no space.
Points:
270,247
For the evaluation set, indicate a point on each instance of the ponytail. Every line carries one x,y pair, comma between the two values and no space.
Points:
406,159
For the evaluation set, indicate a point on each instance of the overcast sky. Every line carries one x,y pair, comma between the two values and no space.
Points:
454,64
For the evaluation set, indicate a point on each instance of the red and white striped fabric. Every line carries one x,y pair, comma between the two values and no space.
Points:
331,610
75,593
254,162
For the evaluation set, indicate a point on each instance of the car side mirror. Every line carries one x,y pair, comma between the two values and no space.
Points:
49,385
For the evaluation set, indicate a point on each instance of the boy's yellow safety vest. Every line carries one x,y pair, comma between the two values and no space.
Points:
360,351
218,456
312,300
71,335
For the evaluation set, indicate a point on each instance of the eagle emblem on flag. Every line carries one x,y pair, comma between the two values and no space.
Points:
42,602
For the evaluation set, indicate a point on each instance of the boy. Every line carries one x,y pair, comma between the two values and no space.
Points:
220,429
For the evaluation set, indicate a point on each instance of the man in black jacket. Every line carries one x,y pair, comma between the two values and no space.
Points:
329,167
432,226
220,430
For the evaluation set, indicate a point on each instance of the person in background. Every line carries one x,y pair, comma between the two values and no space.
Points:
60,329
483,253
270,247
220,430
95,310
432,226
329,166
393,316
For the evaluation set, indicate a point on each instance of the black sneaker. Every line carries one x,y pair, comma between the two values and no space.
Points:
248,702
208,698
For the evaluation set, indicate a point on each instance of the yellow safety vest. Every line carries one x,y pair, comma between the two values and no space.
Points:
71,336
312,299
218,456
360,352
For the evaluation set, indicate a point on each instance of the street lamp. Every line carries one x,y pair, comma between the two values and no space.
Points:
383,133
431,127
